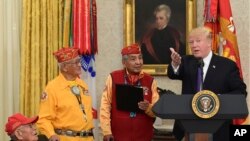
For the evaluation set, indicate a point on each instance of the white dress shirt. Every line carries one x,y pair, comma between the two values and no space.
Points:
206,61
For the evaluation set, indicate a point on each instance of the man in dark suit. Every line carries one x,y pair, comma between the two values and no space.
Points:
220,75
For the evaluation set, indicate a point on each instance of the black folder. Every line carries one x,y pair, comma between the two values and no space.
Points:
127,97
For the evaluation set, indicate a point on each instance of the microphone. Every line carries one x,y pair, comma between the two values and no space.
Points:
164,91
200,63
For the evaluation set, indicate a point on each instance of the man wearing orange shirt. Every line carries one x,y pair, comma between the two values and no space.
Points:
121,125
65,108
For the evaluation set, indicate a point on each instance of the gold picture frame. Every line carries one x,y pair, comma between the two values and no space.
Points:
130,31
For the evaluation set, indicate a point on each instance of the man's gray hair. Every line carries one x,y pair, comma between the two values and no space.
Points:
163,7
13,137
124,57
60,65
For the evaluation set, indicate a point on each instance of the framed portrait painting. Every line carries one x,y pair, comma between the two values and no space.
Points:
158,25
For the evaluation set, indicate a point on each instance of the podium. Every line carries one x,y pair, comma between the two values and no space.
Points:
180,107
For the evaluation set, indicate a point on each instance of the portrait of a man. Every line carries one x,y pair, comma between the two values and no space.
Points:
158,29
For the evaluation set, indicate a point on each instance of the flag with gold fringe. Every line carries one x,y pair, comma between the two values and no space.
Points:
84,37
84,28
218,17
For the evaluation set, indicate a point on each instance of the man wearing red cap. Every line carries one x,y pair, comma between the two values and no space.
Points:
121,125
21,128
66,107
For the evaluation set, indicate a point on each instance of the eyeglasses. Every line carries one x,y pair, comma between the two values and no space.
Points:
76,62
31,125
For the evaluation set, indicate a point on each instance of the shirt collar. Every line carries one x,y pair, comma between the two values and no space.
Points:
141,74
65,83
207,59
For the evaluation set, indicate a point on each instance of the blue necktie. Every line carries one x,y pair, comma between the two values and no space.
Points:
200,76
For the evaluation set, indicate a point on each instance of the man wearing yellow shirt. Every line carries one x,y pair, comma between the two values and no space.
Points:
121,125
66,107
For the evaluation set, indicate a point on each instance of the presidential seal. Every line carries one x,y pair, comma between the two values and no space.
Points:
205,104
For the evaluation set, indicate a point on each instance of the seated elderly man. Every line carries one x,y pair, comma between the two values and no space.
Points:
22,128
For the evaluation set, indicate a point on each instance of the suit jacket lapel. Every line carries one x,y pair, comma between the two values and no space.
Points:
194,71
211,72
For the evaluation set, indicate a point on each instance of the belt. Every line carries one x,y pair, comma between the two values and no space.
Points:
74,133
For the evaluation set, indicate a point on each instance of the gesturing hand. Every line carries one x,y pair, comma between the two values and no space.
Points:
108,138
176,58
54,138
